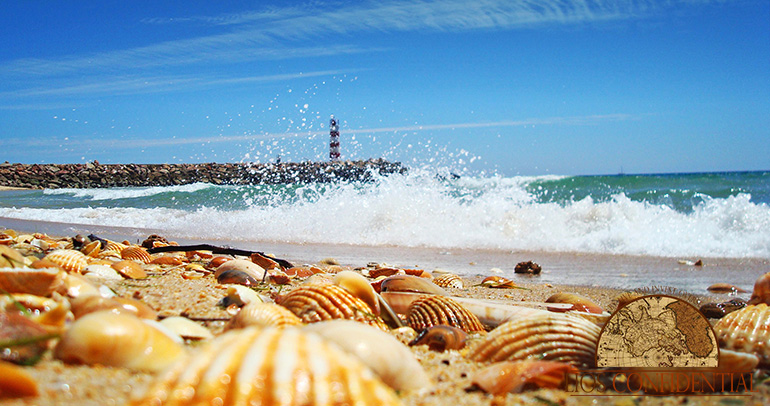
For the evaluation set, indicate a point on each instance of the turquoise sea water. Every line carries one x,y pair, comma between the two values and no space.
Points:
674,215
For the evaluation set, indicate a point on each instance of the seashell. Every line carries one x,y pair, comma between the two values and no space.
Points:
6,239
69,260
264,261
302,271
504,377
433,310
448,280
493,313
10,258
527,267
50,313
391,360
186,328
420,273
725,288
498,282
268,366
408,283
746,330
719,310
549,337
15,382
441,338
240,296
150,242
318,279
239,271
578,302
406,335
118,340
92,249
13,328
376,273
167,260
761,292
136,253
78,285
114,247
83,305
326,302
38,282
263,315
359,287
102,271
129,269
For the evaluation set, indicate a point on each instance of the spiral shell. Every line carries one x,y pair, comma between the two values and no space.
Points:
137,254
69,260
268,367
550,337
761,292
263,315
746,330
39,282
434,310
448,280
314,303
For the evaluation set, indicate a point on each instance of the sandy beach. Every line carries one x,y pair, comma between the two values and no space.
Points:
169,293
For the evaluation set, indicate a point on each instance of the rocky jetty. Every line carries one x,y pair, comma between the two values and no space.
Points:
96,175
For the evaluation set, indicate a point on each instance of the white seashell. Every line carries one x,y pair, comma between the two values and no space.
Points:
359,287
746,330
102,271
69,260
186,328
240,296
263,315
381,352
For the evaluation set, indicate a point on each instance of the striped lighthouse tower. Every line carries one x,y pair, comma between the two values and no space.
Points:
334,139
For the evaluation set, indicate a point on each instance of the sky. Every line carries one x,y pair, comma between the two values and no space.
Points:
510,87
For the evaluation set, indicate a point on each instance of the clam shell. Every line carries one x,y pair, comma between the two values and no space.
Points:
118,340
391,360
240,296
130,269
433,310
550,337
16,382
315,303
448,280
746,330
137,254
263,315
39,282
186,328
239,271
268,367
761,292
69,260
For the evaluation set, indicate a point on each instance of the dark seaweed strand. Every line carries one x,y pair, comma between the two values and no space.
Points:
218,250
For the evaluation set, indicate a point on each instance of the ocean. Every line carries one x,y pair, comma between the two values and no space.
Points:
674,216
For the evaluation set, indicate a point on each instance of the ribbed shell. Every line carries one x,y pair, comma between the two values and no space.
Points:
137,254
449,281
746,330
314,303
433,310
69,260
268,367
263,315
551,337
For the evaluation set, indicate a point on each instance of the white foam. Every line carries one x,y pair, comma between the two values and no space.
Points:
125,193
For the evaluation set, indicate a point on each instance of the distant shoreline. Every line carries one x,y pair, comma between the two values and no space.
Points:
96,175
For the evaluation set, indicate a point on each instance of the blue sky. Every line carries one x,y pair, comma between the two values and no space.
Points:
514,87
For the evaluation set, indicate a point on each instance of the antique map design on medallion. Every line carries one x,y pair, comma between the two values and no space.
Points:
657,331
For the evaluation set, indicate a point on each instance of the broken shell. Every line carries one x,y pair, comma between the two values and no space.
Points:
449,280
118,340
69,260
746,330
39,282
92,249
761,292
264,261
504,377
167,260
408,283
441,338
130,269
15,382
302,271
263,315
433,310
550,337
381,352
359,287
137,254
268,366
10,258
186,328
326,302
83,305
376,273
15,327
240,296
113,248
578,302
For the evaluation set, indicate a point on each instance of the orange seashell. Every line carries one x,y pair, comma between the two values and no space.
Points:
217,261
129,269
313,303
69,260
15,382
137,254
408,283
113,246
578,302
499,282
302,271
263,315
448,280
10,258
167,260
92,249
38,282
761,293
433,310
376,273
725,288
83,305
441,338
746,330
504,377
14,326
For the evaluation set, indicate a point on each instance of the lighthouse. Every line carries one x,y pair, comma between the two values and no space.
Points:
334,139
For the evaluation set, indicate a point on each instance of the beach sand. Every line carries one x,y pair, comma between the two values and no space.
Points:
170,294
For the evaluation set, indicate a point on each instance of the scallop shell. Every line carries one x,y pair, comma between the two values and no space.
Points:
761,292
268,367
39,282
118,340
448,280
69,260
550,337
391,360
114,247
263,315
326,302
746,330
137,254
433,310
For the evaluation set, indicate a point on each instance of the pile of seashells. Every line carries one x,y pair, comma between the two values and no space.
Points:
304,335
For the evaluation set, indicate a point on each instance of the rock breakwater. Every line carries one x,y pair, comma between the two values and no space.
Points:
96,175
